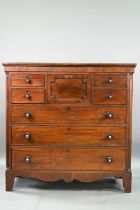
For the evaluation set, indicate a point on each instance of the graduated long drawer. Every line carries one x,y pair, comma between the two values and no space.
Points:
52,158
68,114
68,135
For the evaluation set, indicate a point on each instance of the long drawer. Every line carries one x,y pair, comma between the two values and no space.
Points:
67,114
67,159
68,135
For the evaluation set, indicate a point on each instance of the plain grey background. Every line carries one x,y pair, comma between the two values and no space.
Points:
70,31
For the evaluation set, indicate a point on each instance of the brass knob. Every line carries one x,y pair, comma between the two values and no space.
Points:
109,159
27,136
110,96
27,95
27,115
27,159
109,137
110,81
27,80
109,115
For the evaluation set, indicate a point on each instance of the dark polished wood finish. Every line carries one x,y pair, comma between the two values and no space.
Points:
69,121
27,80
70,134
122,65
53,158
67,89
110,80
69,114
110,96
26,95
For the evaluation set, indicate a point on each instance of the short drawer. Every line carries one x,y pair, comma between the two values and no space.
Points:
110,80
22,95
68,135
73,114
38,158
27,80
110,96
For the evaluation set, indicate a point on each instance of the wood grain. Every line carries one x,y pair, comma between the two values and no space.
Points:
67,158
68,114
34,80
68,136
67,89
117,80
69,129
36,95
102,96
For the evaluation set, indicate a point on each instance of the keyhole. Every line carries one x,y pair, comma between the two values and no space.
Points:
68,108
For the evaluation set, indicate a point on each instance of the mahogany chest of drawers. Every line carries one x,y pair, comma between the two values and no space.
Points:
69,122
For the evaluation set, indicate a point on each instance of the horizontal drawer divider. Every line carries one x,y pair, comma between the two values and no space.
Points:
33,103
94,105
108,88
70,124
76,105
69,171
29,87
68,146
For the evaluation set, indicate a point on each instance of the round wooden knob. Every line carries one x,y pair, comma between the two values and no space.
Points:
109,159
27,115
27,159
27,80
109,137
27,136
109,115
110,96
27,95
110,81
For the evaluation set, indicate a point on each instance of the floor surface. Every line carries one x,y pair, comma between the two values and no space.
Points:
31,194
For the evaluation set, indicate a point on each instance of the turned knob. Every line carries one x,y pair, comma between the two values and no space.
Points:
27,159
109,137
27,115
109,115
110,96
110,81
109,159
27,80
27,136
27,95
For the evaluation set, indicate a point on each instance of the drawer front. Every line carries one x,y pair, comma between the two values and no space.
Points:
30,135
110,80
22,95
69,88
82,115
67,159
110,96
27,80
98,136
78,136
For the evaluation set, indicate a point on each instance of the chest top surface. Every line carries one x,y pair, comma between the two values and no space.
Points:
72,67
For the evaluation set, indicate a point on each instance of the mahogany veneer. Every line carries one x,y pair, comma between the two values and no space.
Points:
69,121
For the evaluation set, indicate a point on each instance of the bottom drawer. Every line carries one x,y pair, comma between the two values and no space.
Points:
26,158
